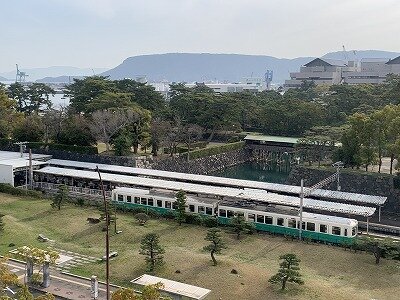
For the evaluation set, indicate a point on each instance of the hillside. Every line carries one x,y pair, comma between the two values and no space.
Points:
192,67
59,79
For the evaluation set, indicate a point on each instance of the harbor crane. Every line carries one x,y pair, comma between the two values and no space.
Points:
21,76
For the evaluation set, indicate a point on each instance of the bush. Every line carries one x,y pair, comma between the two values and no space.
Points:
80,201
210,222
8,189
215,150
142,218
194,219
63,147
37,279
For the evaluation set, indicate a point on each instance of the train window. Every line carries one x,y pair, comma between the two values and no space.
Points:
251,217
168,204
303,225
159,203
335,230
209,211
268,220
150,202
230,214
345,232
323,228
354,231
260,219
280,221
292,223
129,199
310,226
143,201
120,198
200,209
222,213
137,200
191,207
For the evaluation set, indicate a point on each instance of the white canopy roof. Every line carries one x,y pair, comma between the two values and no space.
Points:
215,180
174,287
249,194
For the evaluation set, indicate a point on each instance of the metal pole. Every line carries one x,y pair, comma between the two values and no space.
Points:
338,178
107,236
30,170
379,214
368,225
301,208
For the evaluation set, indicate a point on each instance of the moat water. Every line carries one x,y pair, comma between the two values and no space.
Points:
253,171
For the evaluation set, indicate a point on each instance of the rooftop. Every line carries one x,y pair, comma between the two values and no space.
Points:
173,287
271,138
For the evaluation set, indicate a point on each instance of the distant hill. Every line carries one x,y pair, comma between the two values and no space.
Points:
39,73
192,67
59,79
4,79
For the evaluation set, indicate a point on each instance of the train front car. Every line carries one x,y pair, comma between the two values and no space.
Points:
286,221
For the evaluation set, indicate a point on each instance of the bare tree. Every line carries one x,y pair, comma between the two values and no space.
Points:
190,134
106,123
158,129
174,135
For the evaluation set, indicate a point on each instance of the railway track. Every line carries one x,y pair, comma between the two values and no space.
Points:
381,230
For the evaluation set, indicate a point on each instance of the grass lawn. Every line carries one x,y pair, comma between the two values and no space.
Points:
329,272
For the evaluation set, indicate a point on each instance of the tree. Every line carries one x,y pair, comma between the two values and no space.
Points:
151,248
240,225
378,248
142,218
288,271
38,98
106,123
17,92
217,244
75,130
180,207
60,197
122,143
24,293
9,117
7,278
30,129
190,134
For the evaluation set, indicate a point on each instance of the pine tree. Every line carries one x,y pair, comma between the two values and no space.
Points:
60,197
288,271
150,246
239,225
180,207
216,245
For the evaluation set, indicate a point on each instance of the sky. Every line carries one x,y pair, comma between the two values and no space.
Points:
102,33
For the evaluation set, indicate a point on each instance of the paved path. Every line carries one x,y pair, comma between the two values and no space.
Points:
63,285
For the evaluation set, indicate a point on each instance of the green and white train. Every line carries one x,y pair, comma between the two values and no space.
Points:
266,217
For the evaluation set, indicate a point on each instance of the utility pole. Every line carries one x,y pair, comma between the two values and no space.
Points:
301,208
107,236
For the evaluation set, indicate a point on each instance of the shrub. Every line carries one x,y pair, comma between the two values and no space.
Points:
210,222
80,201
215,150
142,218
37,279
194,219
8,189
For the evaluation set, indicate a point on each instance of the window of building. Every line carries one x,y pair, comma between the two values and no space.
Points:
129,199
335,230
280,221
230,214
150,202
191,207
168,204
269,220
292,223
323,228
222,213
251,217
209,211
143,201
310,226
159,203
200,209
137,200
120,198
260,219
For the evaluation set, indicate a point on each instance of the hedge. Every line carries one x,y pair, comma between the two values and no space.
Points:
215,150
63,147
8,189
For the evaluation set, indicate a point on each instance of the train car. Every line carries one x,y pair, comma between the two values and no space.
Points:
161,201
270,218
286,221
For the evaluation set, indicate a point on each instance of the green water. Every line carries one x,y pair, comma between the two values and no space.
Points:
253,171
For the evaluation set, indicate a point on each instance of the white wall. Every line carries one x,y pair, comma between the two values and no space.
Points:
6,174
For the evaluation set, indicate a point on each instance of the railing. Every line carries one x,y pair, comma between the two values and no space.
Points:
72,189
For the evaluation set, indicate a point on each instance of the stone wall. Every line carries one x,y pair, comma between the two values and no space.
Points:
204,165
353,181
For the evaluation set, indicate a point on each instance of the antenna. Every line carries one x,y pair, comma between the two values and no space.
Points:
20,76
345,54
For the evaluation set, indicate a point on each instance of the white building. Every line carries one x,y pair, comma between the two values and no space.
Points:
328,72
250,84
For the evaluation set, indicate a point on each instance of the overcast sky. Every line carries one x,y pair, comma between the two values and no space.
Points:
102,33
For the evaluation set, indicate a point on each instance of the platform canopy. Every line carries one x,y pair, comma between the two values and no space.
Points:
173,287
202,189
222,181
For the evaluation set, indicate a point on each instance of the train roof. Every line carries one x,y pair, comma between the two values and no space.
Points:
290,212
249,194
231,182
